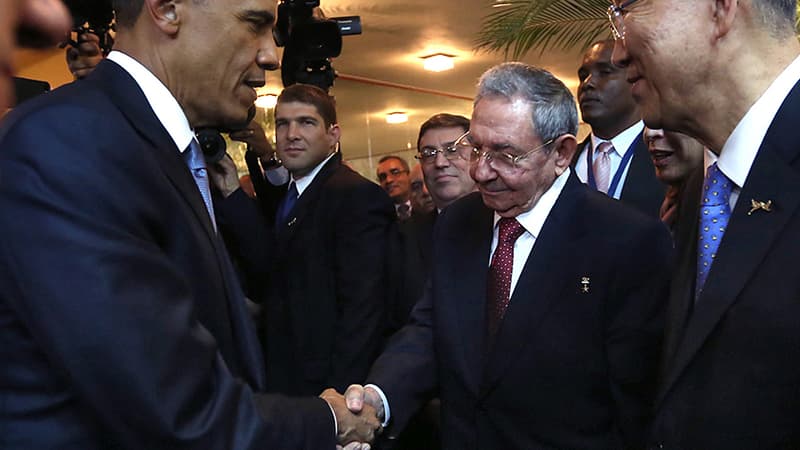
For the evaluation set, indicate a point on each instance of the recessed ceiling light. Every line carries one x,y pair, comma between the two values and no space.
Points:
267,101
438,62
500,4
396,117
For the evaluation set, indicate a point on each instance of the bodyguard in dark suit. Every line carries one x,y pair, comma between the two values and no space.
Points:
557,343
731,374
614,158
324,311
121,319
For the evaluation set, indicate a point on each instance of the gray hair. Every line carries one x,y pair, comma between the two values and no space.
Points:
778,16
553,110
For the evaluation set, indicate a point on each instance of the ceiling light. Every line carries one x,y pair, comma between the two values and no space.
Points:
267,101
438,62
500,3
396,117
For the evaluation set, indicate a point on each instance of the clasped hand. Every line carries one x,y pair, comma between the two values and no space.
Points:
358,416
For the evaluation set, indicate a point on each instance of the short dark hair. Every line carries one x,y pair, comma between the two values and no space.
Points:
127,11
778,16
402,161
442,120
311,95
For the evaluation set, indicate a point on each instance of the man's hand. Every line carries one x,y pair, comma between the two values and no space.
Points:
354,428
224,176
257,142
82,59
357,396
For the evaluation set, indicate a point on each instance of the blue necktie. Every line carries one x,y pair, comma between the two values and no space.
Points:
715,211
286,204
193,156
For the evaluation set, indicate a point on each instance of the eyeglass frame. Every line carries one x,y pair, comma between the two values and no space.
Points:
393,172
476,154
614,14
450,152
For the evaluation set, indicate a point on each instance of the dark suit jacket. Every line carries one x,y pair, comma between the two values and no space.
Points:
731,376
416,236
326,300
569,369
121,319
640,189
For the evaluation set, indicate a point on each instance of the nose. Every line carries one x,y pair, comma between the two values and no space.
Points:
267,56
620,56
586,83
291,131
651,135
440,160
481,171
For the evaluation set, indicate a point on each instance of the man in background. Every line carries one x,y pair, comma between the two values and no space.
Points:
393,176
614,159
421,201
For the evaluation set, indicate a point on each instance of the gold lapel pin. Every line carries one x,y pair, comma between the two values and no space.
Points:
756,205
585,285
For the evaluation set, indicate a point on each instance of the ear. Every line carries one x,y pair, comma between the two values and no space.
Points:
166,14
724,14
334,133
564,148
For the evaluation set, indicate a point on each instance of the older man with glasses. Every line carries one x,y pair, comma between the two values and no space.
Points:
540,325
727,73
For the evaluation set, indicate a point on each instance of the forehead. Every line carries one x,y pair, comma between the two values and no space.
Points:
497,119
598,53
390,164
287,110
416,173
436,136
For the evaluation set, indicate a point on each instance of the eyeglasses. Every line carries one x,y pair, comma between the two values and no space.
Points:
615,14
452,152
498,160
393,172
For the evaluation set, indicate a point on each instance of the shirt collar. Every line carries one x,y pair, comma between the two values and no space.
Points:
302,183
161,100
737,155
621,142
533,220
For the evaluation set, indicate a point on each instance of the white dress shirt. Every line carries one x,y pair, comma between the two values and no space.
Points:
622,145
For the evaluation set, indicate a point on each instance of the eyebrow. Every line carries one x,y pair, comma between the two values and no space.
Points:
263,16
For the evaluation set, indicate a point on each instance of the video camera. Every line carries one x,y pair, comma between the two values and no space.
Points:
310,41
92,16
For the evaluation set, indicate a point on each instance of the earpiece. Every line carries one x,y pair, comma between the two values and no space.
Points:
170,15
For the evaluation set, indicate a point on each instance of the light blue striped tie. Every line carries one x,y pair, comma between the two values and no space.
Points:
193,156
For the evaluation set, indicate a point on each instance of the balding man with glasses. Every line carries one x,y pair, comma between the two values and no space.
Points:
540,324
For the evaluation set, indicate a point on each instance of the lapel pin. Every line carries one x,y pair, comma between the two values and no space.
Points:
291,222
756,205
585,285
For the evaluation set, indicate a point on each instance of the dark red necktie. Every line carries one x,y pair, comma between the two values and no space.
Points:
498,286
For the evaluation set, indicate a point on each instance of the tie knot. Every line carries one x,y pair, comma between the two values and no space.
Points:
716,187
605,147
193,156
509,229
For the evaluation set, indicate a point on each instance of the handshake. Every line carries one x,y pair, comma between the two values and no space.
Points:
359,414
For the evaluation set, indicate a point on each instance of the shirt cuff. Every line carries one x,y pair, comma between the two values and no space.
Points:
386,413
335,423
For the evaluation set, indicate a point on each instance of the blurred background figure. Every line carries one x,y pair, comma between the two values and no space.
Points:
27,23
83,58
675,156
421,201
393,176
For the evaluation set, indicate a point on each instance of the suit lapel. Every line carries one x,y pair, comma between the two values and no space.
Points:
304,203
467,295
544,274
748,238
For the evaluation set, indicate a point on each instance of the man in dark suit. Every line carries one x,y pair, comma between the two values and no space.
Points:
613,158
731,375
324,309
123,325
557,343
